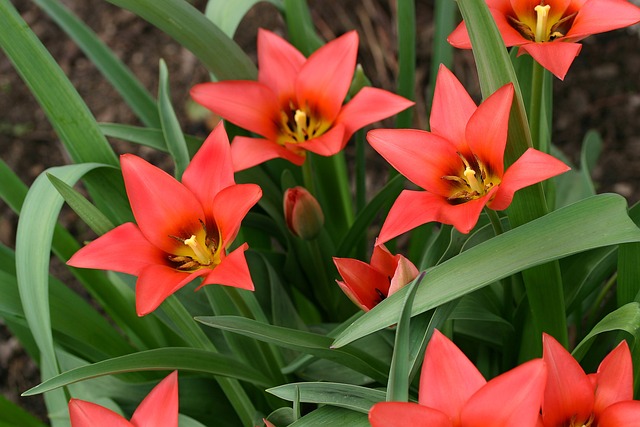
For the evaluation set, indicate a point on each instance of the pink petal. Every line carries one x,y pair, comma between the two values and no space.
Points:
370,105
157,282
532,167
404,274
448,378
614,379
452,107
625,414
210,170
510,399
325,78
327,144
361,283
162,206
87,414
248,104
230,206
160,407
568,392
123,249
423,157
232,271
279,63
404,414
486,132
599,16
556,56
248,152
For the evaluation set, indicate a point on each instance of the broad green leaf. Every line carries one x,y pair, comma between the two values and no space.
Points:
185,24
300,27
628,273
332,416
12,415
161,359
13,190
315,344
445,14
406,29
556,235
122,79
347,396
146,136
227,15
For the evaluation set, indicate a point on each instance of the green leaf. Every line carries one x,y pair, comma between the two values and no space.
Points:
185,24
300,27
122,79
551,237
161,359
173,136
12,415
347,396
332,416
315,344
13,190
406,28
153,138
227,15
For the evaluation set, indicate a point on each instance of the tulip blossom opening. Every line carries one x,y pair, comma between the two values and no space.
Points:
549,30
297,103
183,229
460,163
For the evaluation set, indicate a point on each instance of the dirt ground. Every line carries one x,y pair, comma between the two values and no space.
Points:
601,91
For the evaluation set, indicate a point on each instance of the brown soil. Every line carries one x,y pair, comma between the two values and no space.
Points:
600,92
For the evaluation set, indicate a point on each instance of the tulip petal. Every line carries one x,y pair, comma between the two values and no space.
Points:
625,414
414,208
232,271
510,399
383,260
279,63
459,37
230,206
532,167
423,157
123,249
404,414
325,78
403,275
87,414
363,284
162,206
556,56
598,16
210,170
448,378
452,108
569,392
250,105
157,282
327,144
486,131
368,106
160,407
614,379
248,152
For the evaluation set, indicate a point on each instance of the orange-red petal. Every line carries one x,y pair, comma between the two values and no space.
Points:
448,378
248,152
250,105
87,414
162,206
123,249
232,271
598,16
510,399
324,80
404,414
230,206
614,379
361,283
556,56
625,414
157,282
327,144
160,406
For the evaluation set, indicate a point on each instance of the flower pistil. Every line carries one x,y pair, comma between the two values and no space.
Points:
474,182
300,125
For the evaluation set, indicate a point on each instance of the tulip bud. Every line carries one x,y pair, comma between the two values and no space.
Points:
303,213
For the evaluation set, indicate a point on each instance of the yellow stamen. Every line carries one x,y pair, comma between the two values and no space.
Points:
300,117
202,253
470,176
541,22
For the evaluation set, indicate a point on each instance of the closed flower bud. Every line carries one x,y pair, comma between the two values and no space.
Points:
303,213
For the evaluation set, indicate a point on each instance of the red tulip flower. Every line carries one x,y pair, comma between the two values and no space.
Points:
183,229
159,408
296,104
575,399
453,393
368,284
460,162
549,30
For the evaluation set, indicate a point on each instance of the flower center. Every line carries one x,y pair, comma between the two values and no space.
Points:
300,125
198,251
474,181
543,29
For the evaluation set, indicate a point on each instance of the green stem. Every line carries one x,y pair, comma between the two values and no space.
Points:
535,110
307,176
495,221
406,26
361,189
